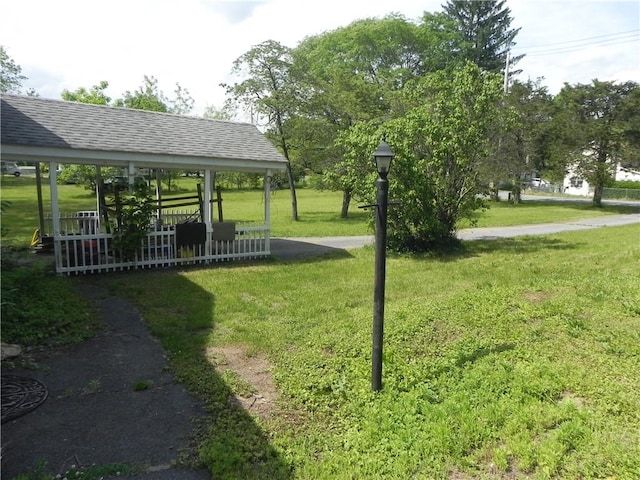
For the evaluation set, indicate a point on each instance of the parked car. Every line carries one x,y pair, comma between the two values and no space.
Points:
11,168
538,182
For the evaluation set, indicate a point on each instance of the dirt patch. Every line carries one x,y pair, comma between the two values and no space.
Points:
254,369
537,297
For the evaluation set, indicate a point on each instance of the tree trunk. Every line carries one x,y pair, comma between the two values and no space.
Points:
292,188
346,200
597,194
516,194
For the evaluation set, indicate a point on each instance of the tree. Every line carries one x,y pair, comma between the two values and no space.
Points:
215,113
147,97
519,140
267,91
95,95
182,103
356,74
11,77
484,26
439,145
596,124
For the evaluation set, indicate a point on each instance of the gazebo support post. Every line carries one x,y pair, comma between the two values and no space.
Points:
40,204
55,213
267,211
207,217
159,197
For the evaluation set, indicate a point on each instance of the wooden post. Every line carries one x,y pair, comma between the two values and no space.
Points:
219,201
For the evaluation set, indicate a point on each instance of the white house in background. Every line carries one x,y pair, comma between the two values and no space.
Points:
574,184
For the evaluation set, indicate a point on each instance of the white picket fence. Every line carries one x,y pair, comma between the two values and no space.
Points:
84,247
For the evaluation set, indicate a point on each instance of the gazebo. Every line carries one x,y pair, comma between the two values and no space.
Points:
38,130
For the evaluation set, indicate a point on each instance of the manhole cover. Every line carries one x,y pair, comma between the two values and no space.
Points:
20,395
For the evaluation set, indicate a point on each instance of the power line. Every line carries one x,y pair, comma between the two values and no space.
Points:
580,40
576,48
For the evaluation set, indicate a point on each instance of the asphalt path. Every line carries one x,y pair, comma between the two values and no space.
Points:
291,248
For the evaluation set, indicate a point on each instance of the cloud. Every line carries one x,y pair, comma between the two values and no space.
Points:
75,43
235,12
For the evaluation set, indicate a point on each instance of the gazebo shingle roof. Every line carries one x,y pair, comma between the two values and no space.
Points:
56,124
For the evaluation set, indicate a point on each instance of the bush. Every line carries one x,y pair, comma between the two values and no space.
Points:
626,184
40,309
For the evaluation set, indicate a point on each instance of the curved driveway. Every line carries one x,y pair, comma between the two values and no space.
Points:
290,248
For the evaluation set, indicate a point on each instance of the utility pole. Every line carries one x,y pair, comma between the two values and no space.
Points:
506,73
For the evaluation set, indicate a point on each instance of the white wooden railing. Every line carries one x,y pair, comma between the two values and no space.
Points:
84,247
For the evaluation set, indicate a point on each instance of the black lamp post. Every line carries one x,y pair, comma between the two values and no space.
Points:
383,156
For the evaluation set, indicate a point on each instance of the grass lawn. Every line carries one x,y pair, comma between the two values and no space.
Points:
518,358
319,211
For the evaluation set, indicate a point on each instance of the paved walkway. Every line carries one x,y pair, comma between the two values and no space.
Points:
290,248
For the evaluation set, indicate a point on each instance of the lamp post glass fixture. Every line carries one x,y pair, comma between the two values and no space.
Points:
383,156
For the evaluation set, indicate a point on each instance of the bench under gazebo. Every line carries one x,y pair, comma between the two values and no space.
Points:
55,132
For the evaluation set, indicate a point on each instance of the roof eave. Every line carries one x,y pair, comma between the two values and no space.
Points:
22,153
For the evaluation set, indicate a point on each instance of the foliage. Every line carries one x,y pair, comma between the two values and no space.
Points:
519,140
4,206
485,27
133,218
11,77
595,124
83,175
489,371
632,184
78,472
95,95
268,92
214,113
147,97
346,77
439,145
39,308
182,103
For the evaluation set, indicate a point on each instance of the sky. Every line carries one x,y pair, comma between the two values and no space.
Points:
67,44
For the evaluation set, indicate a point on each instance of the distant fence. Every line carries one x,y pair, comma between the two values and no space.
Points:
621,193
545,189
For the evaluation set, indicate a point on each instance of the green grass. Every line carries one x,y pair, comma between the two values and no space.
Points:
319,211
517,358
38,308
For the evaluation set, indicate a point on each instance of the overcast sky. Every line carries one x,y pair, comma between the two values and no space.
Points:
66,44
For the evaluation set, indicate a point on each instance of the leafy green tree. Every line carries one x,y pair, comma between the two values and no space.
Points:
596,124
147,97
95,95
356,74
630,119
215,113
485,27
439,145
520,137
182,103
268,91
11,77
84,175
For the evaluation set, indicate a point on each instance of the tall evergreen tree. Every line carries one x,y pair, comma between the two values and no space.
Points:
485,27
